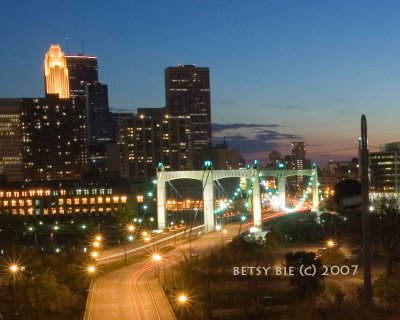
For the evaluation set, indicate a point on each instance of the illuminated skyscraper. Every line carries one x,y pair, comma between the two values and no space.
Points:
187,90
82,70
56,72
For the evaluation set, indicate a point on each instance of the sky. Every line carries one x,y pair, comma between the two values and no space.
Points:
281,71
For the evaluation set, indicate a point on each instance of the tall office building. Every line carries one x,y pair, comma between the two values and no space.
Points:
56,72
187,90
11,150
124,137
384,168
54,139
82,70
298,162
299,150
99,120
155,136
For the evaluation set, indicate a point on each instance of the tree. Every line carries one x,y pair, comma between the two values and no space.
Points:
305,284
124,214
385,226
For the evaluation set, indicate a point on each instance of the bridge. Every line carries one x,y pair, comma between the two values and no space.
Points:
208,176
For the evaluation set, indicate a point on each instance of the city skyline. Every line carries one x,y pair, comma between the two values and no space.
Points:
280,72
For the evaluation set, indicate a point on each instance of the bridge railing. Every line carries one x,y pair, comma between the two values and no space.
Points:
135,251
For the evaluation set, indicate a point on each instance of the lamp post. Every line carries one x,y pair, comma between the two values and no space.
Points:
130,228
156,259
242,220
14,269
222,237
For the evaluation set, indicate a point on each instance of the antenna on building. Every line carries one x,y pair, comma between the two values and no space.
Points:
66,38
83,47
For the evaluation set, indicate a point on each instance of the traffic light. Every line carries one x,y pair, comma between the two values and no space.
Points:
281,166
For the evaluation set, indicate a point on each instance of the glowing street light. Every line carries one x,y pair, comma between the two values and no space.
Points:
96,244
131,228
14,268
147,238
99,237
182,298
94,254
156,257
91,269
330,243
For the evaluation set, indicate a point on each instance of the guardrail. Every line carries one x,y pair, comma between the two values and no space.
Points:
131,252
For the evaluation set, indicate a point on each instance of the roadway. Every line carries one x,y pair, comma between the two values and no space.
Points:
133,292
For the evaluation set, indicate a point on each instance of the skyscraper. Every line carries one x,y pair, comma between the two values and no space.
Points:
11,140
54,139
56,72
82,70
187,90
149,137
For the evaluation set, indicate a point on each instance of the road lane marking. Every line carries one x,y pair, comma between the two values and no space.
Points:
152,299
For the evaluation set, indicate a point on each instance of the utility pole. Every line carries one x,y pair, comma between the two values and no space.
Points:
365,212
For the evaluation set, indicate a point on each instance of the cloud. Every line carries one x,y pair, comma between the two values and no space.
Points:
217,127
348,112
289,107
252,139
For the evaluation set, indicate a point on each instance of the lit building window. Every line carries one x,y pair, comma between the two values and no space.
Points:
21,203
5,203
140,198
100,200
13,203
76,201
60,202
123,199
29,202
62,192
108,200
69,201
30,211
47,193
115,199
84,200
92,201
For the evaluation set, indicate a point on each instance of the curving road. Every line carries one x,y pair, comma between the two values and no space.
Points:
133,292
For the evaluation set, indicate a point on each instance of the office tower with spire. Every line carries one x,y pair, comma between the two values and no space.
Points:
187,90
56,72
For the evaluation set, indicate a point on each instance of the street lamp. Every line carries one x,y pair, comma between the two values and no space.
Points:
91,269
131,228
330,243
222,237
156,259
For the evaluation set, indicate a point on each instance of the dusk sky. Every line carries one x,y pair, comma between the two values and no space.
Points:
281,71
